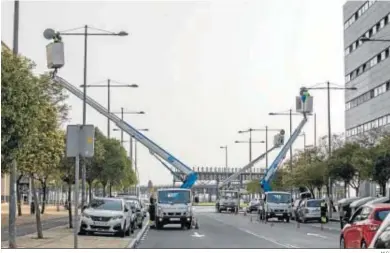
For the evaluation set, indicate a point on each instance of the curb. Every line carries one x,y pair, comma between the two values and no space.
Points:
133,243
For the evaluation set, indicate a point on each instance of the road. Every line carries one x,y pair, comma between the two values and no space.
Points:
30,228
238,231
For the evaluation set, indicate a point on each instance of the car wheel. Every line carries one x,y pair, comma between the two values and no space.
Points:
288,220
122,232
363,245
342,243
82,231
140,225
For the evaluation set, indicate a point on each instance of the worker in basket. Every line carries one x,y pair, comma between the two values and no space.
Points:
152,209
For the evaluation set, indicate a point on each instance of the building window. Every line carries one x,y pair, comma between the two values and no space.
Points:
358,13
381,121
368,95
372,31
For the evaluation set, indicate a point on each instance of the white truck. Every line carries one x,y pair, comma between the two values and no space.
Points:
174,206
278,205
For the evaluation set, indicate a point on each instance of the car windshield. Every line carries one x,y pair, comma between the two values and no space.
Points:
314,203
106,204
381,215
174,196
280,198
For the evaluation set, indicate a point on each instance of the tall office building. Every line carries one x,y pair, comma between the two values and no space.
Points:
367,65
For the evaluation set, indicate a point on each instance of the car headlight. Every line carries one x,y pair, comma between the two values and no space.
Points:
86,216
117,217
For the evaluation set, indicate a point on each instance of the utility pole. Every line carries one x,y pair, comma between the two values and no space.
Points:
12,185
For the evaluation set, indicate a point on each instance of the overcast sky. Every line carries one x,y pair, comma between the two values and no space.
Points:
205,69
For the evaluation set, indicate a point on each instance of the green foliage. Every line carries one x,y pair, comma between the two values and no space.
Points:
253,186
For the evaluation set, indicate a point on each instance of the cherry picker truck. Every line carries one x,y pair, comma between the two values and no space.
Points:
224,205
304,105
55,61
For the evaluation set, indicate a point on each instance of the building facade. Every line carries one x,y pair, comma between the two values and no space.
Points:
367,65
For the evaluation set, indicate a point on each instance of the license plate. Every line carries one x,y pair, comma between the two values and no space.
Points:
279,214
174,219
99,223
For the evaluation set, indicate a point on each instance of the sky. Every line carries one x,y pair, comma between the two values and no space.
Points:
205,69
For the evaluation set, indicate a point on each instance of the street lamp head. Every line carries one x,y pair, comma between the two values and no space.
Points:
236,142
133,85
271,113
122,33
352,88
115,129
144,129
240,132
49,34
141,112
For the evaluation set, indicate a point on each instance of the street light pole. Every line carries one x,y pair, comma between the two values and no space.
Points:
291,163
328,88
226,155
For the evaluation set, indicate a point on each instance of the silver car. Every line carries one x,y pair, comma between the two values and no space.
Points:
308,210
106,215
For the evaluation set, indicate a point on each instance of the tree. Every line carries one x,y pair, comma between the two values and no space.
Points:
253,187
381,169
114,164
95,164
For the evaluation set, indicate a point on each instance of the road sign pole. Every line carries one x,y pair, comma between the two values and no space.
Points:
76,200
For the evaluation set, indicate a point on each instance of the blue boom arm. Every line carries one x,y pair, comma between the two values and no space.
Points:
265,183
190,176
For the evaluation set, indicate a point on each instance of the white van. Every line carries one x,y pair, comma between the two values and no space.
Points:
278,205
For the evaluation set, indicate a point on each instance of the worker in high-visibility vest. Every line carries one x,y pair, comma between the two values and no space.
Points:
324,209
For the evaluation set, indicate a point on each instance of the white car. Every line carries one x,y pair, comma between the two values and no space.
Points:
106,215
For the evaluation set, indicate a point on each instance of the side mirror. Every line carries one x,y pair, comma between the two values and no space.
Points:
126,209
84,207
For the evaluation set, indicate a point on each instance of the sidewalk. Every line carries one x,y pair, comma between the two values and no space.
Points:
50,213
62,238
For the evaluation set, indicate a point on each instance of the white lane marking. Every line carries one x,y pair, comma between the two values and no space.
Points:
317,235
197,235
266,239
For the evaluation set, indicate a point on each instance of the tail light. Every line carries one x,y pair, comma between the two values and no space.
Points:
373,227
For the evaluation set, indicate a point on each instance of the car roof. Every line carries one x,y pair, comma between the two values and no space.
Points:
361,202
379,205
278,192
314,200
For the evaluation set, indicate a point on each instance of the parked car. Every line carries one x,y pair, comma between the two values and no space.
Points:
381,239
361,228
253,205
144,209
309,210
137,216
345,211
107,215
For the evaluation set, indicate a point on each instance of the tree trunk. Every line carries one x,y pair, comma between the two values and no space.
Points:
90,190
383,189
37,213
70,205
110,189
345,189
357,191
311,189
19,195
104,184
44,189
319,191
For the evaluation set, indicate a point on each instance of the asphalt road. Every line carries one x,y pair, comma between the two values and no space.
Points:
31,228
237,231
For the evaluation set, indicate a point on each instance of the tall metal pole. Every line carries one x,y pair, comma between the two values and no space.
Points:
329,148
76,199
266,146
83,168
315,130
226,158
291,164
131,151
250,152
121,128
108,107
291,161
12,185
